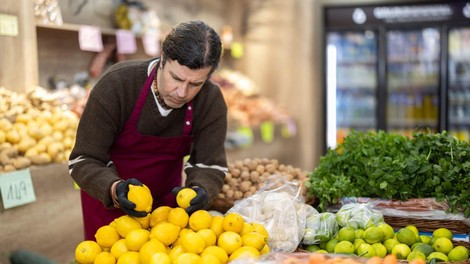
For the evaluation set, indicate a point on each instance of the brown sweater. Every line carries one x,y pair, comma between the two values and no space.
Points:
109,106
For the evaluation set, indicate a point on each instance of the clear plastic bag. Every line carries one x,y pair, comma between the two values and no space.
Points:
358,216
279,206
320,228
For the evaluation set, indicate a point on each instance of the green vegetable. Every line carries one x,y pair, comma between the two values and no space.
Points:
391,166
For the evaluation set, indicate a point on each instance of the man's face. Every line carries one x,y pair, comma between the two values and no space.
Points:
178,84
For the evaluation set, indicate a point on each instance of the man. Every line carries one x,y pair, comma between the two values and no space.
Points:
142,118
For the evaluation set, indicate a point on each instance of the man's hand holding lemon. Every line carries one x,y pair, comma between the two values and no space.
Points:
191,199
133,197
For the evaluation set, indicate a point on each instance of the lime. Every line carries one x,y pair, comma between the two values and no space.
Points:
366,250
415,245
330,245
380,249
312,248
415,255
424,248
439,256
347,233
389,244
322,251
359,233
443,232
373,235
432,240
387,229
425,239
406,236
344,247
459,253
443,244
401,251
413,228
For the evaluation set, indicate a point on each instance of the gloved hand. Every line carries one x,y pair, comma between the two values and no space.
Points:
199,202
127,206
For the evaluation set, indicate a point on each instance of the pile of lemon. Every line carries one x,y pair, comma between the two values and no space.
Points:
406,243
170,235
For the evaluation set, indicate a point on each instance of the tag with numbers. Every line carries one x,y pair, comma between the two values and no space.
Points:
17,188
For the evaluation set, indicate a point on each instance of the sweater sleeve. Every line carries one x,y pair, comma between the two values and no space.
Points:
207,165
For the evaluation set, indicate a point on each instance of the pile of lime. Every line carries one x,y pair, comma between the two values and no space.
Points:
406,243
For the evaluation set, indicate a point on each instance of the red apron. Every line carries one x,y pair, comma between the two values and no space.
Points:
156,161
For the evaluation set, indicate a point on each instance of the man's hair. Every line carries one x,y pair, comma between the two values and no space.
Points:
193,44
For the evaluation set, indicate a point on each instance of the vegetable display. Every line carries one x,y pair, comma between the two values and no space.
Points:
391,166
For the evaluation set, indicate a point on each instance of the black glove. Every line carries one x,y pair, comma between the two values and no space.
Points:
199,202
127,206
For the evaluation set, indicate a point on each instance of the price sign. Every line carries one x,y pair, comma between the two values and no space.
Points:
17,188
89,38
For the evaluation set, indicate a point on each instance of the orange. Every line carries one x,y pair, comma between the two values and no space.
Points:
233,222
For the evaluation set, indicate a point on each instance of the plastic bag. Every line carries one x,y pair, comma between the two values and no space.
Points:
358,216
320,228
279,206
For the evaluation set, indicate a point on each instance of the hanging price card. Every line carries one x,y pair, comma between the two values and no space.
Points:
151,43
89,38
17,188
267,131
125,41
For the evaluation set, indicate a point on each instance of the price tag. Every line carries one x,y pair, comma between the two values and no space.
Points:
151,43
125,41
89,38
17,188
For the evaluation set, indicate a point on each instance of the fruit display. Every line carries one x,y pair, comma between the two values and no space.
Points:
170,235
372,237
34,130
246,176
391,166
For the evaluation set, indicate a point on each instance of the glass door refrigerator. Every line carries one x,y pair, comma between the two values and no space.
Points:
400,68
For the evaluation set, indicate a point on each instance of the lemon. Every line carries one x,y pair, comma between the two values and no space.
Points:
208,235
106,236
141,196
201,219
187,258
233,222
229,241
254,239
105,258
443,232
210,259
265,250
159,258
415,255
437,255
373,235
129,257
401,251
165,232
160,214
86,251
344,247
406,236
389,244
178,216
119,248
388,231
245,252
216,251
193,242
459,253
144,221
259,228
216,225
136,238
175,251
247,228
380,249
366,250
347,233
149,248
443,244
125,224
184,197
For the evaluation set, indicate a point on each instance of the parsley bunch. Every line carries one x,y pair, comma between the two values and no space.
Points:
391,166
